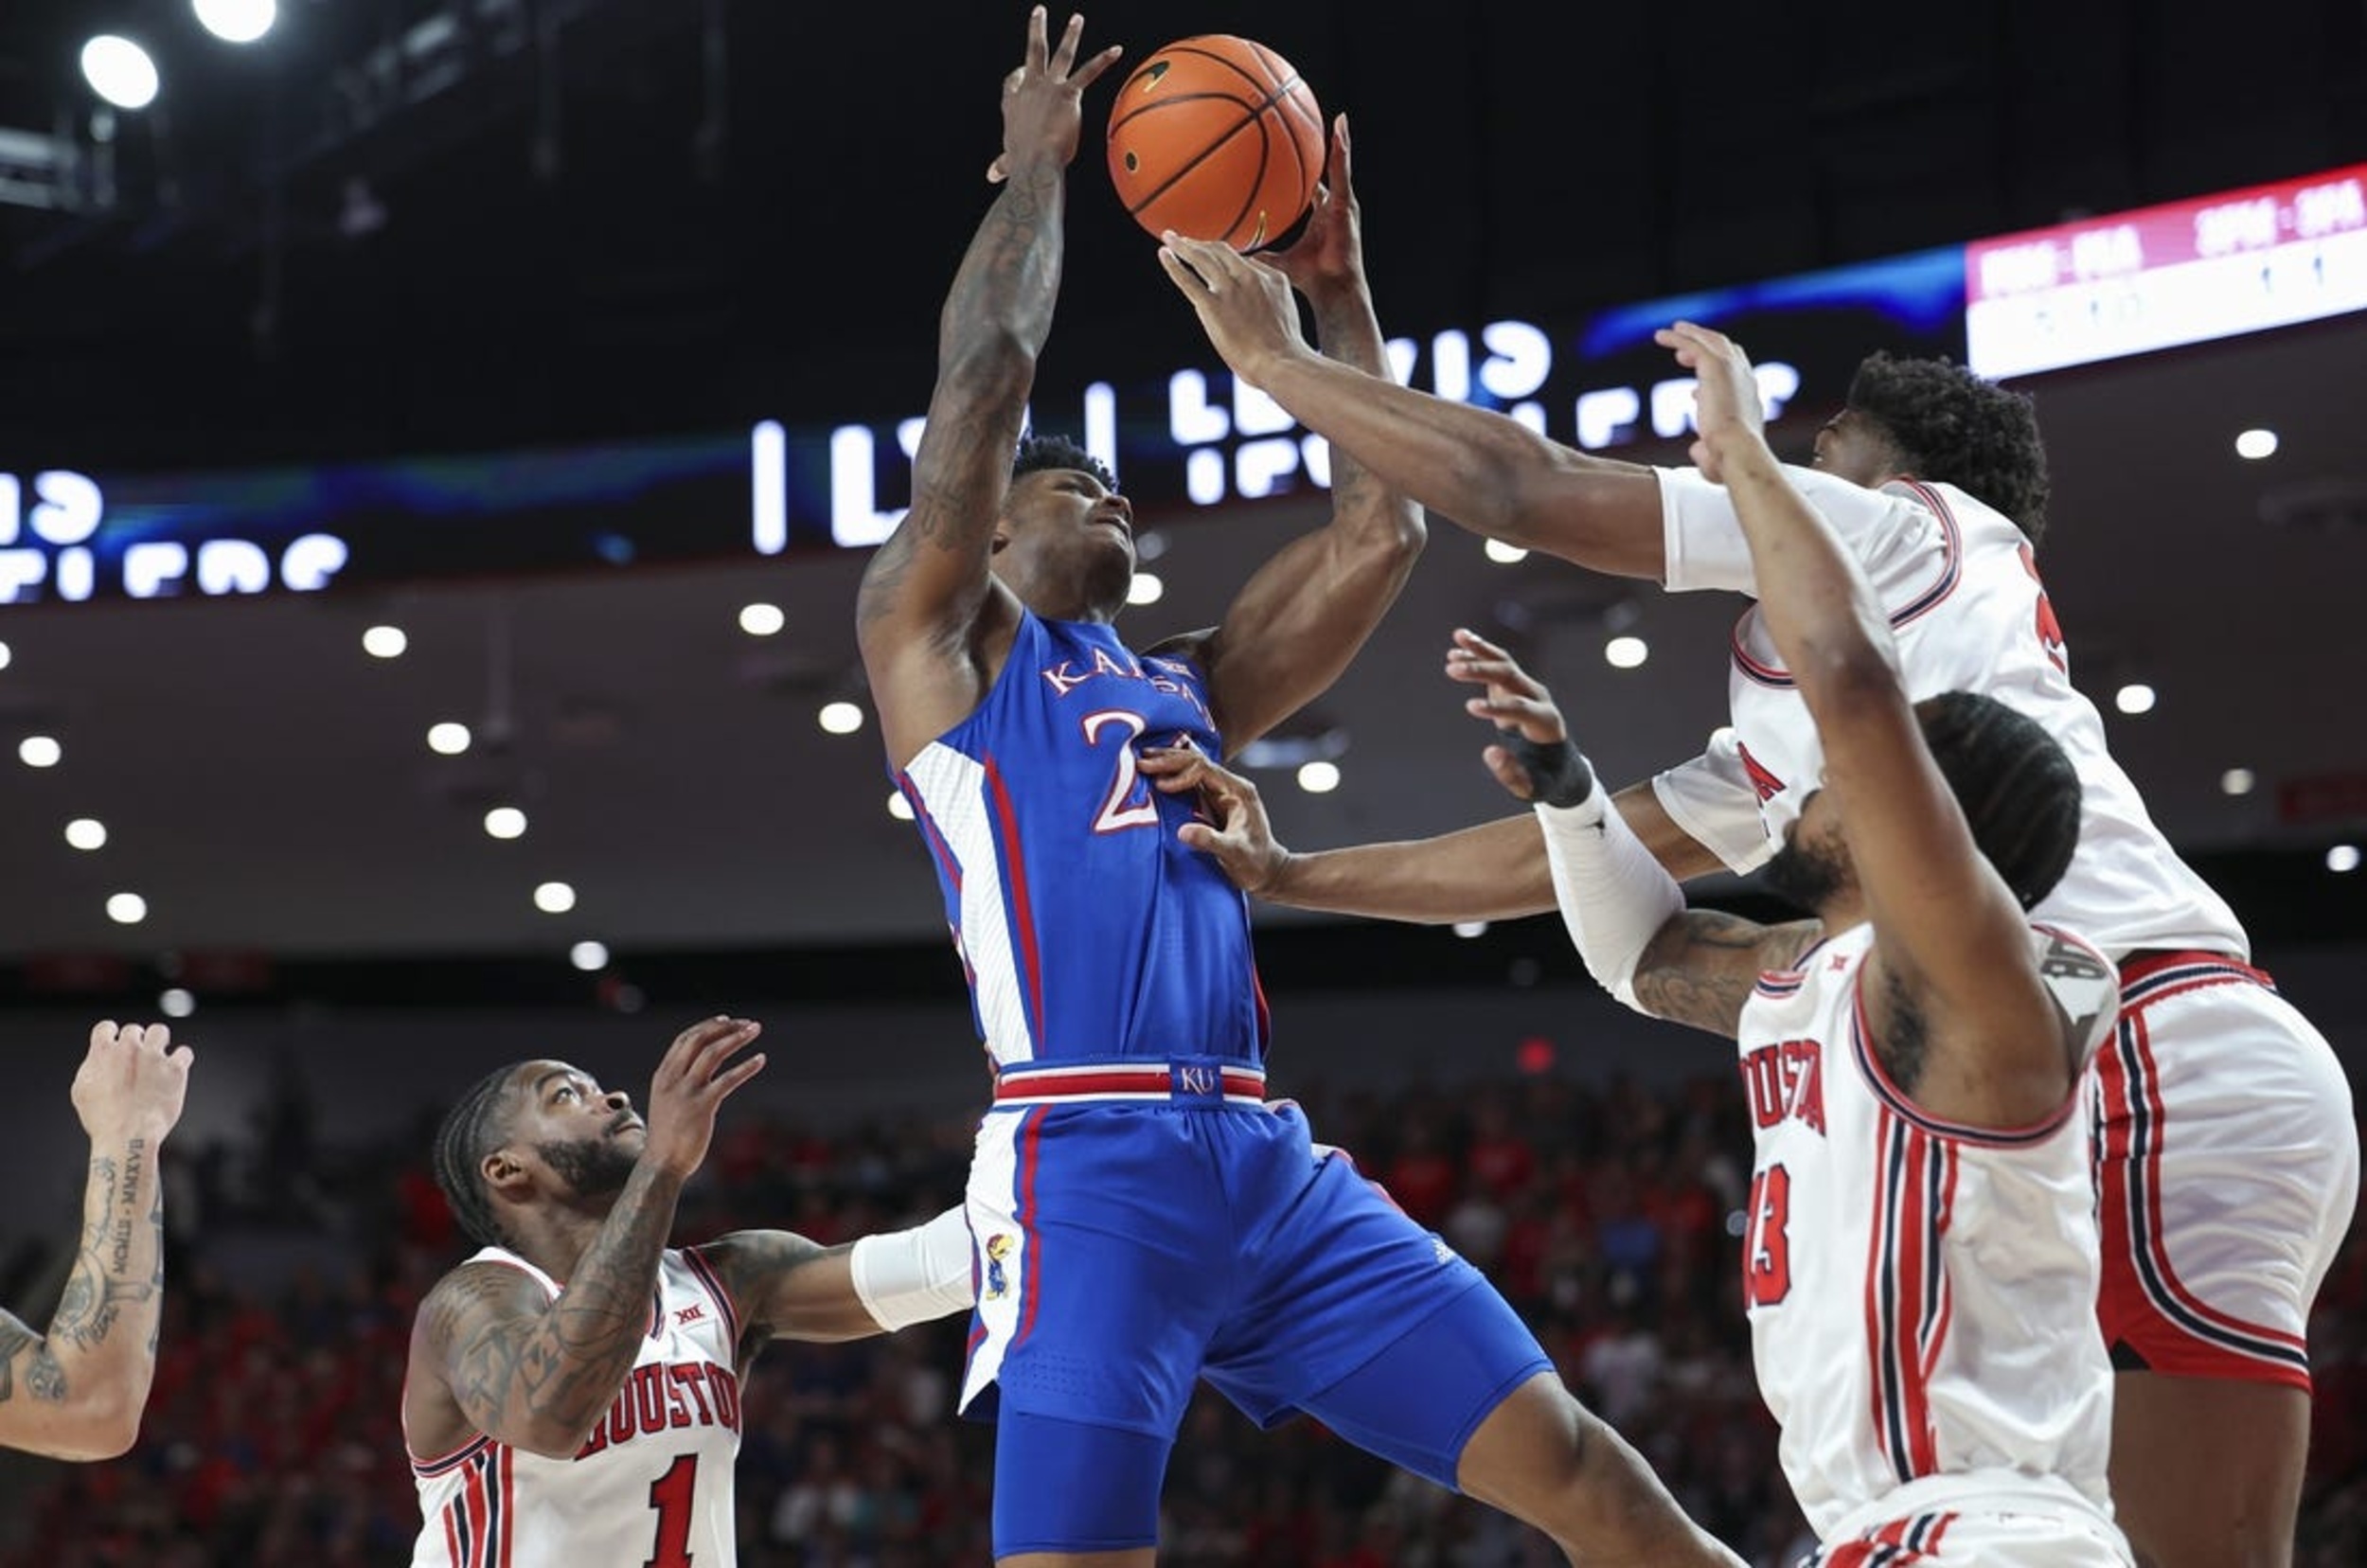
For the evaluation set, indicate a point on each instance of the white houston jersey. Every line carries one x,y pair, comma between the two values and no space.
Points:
651,1488
1970,613
1922,1295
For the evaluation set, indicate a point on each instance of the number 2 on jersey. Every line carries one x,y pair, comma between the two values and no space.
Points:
1122,810
1767,1240
670,1495
2049,630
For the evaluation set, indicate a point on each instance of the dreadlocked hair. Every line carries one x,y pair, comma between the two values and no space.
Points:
2017,788
1039,453
1953,427
463,1138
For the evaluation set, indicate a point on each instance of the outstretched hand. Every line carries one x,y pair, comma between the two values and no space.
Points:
1237,835
1726,409
694,1078
1043,100
1536,760
131,1083
1244,305
1328,256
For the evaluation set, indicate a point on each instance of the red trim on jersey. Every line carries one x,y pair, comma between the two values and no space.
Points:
477,1510
1878,1079
2158,976
1951,573
1015,885
438,1466
504,1524
696,1257
2144,1305
1031,1284
1041,1083
451,1534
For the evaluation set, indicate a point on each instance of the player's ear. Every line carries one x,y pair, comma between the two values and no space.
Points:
503,1171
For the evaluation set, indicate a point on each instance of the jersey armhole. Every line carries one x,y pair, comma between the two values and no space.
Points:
1903,1106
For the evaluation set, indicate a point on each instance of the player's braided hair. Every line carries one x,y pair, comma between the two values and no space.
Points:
1037,452
1955,428
463,1138
2018,789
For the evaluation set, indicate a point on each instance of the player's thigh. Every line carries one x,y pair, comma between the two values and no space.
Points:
2228,1168
1341,1292
1075,1493
1419,1401
2207,1471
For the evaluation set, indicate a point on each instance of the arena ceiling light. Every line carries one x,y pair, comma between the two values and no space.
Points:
236,21
119,71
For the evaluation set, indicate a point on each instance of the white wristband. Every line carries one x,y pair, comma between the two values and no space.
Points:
1614,896
915,1275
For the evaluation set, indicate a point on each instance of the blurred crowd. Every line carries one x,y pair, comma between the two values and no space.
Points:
1608,1213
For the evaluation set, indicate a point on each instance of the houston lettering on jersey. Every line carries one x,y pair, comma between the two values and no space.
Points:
662,1395
1785,1080
1159,674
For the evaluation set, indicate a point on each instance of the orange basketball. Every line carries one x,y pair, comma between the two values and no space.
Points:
1218,138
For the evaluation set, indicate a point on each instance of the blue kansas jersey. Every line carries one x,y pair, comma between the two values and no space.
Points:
1089,931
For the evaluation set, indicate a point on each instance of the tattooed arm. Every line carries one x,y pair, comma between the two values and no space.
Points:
492,1352
929,608
787,1287
533,1372
1700,967
77,1393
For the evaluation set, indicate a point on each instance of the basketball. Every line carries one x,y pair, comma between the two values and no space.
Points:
1217,137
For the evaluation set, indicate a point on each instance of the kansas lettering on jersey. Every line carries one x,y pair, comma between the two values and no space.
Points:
1968,613
1922,1295
652,1487
1089,931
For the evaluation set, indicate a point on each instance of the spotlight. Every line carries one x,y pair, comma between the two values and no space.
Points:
1503,554
841,717
126,908
1319,776
86,834
554,898
2136,697
899,808
589,956
2256,444
119,71
2342,858
384,642
506,821
1145,589
2237,781
177,1001
448,738
761,621
237,21
40,751
1625,653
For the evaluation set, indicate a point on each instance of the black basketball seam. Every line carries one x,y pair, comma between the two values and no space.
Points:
1256,117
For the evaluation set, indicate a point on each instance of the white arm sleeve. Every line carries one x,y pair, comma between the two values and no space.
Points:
915,1275
1614,895
1713,799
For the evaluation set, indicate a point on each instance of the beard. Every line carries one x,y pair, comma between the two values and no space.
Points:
1808,874
595,1167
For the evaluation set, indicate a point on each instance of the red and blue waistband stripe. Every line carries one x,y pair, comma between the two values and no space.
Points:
2160,975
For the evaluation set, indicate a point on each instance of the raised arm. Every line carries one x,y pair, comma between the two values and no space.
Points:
1483,469
787,1287
928,598
76,1392
1953,969
1495,871
1302,616
535,1372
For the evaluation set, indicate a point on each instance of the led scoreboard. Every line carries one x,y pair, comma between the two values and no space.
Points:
2158,277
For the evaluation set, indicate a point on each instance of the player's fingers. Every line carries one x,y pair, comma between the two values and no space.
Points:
102,1034
995,171
721,1046
1037,48
1337,168
1091,71
156,1038
1064,58
719,1087
1466,638
181,1056
1180,272
1495,672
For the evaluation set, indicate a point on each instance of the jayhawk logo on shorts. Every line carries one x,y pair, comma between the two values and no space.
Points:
998,1248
